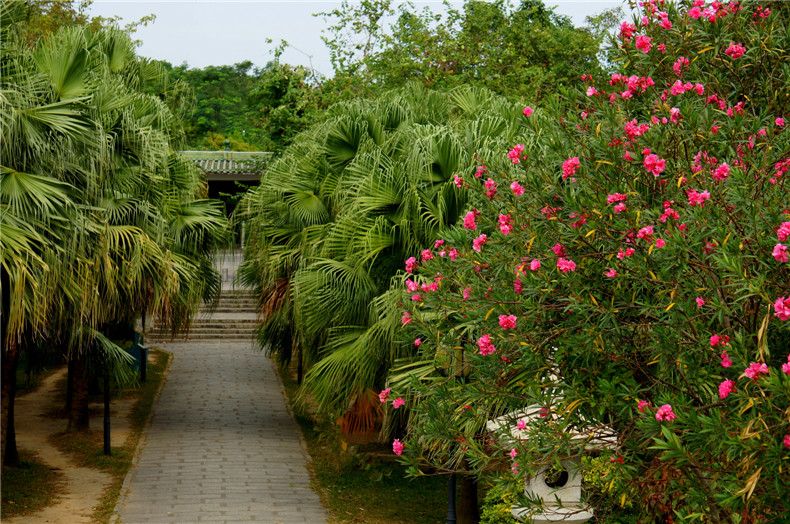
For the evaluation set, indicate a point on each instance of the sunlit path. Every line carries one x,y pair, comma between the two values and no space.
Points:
222,447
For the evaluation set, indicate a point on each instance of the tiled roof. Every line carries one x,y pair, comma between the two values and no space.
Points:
229,165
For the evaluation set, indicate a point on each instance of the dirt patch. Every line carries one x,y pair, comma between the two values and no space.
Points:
81,488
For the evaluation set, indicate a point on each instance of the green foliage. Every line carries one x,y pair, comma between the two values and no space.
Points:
524,52
338,212
609,332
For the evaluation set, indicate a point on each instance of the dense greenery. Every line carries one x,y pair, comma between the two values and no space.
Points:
624,273
102,220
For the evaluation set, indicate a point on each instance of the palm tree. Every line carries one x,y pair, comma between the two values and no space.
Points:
339,212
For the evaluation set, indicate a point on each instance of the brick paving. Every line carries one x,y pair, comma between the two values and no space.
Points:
222,446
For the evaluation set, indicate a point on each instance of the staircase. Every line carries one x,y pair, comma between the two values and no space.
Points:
234,318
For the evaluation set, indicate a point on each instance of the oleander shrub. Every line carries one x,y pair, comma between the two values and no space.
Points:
624,268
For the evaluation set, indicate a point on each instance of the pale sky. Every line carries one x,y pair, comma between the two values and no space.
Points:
220,32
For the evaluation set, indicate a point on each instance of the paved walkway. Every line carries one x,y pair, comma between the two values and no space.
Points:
222,446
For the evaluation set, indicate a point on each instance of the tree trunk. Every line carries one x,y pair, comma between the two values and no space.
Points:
10,362
79,418
69,386
467,508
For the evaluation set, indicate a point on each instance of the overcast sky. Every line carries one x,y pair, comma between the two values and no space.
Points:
220,32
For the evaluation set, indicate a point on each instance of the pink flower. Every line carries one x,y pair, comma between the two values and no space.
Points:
660,242
643,43
459,182
721,172
725,388
735,50
397,447
485,345
521,424
611,273
665,413
426,254
417,342
566,265
534,265
412,286
642,405
591,91
528,111
513,453
783,233
779,121
696,198
518,287
695,12
629,252
507,321
467,293
411,264
719,340
627,31
645,233
406,318
416,298
787,441
619,208
700,301
654,165
515,153
505,224
755,370
782,308
469,220
558,250
384,395
726,361
616,197
517,189
780,253
786,367
491,188
679,63
477,244
569,167
453,254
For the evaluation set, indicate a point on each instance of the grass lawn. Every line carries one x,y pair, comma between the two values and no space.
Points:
88,449
28,488
367,487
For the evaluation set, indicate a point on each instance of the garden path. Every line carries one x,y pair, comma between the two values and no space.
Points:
222,445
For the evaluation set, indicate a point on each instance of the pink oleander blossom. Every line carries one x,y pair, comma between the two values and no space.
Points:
783,233
398,402
725,388
469,220
481,170
417,342
756,369
491,189
654,165
397,447
569,167
660,242
643,43
406,318
534,265
627,31
619,208
787,441
645,233
642,405
453,254
426,254
505,224
782,308
558,249
665,413
517,189
384,396
518,287
696,198
735,51
521,424
513,453
528,111
779,121
411,264
515,154
566,266
721,172
477,244
616,197
611,273
780,253
467,292
726,361
485,345
700,301
459,182
719,340
507,321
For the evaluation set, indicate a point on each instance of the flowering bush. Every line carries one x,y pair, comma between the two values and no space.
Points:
633,277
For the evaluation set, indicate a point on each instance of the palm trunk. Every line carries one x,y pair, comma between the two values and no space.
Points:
79,418
10,362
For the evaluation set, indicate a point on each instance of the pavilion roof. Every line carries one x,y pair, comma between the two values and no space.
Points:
230,165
